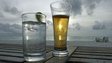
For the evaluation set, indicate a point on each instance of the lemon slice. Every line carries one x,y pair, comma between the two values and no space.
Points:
39,16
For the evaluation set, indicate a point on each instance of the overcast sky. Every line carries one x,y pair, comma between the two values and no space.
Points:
90,14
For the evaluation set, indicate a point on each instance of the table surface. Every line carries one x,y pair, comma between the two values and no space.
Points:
80,54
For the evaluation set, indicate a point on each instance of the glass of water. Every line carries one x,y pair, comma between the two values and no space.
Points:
34,36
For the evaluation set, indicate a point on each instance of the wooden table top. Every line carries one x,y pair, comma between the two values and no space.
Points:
12,53
81,54
91,55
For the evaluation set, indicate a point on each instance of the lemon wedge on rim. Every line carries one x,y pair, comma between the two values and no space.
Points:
39,16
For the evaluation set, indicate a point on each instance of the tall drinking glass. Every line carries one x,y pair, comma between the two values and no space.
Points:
34,36
60,14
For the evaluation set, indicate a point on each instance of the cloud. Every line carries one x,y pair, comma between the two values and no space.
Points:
76,6
99,26
10,30
1,15
89,6
9,11
8,7
75,26
13,10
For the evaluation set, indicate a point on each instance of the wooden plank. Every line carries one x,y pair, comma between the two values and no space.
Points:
82,60
86,60
95,49
91,55
57,60
11,55
11,59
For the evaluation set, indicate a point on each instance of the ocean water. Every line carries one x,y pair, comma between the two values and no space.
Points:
86,38
76,40
81,38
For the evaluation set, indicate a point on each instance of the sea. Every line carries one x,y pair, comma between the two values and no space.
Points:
76,40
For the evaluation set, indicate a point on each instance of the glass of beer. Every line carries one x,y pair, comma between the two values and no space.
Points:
60,15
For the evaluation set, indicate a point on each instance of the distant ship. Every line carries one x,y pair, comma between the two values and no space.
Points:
102,39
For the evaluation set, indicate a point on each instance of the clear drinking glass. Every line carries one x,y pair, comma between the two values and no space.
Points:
34,36
60,14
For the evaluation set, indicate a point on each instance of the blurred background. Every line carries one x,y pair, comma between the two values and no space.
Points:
90,21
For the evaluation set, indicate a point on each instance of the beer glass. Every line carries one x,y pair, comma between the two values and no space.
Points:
60,15
34,36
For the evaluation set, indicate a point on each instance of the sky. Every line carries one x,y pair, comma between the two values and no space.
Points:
90,17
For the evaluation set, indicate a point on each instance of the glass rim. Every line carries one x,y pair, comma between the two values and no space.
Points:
32,13
54,8
33,17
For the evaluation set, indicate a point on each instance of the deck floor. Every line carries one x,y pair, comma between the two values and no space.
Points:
91,55
79,54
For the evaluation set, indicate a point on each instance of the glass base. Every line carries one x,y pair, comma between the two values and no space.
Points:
60,53
34,57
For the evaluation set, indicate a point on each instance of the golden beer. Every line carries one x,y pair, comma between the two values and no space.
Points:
60,23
